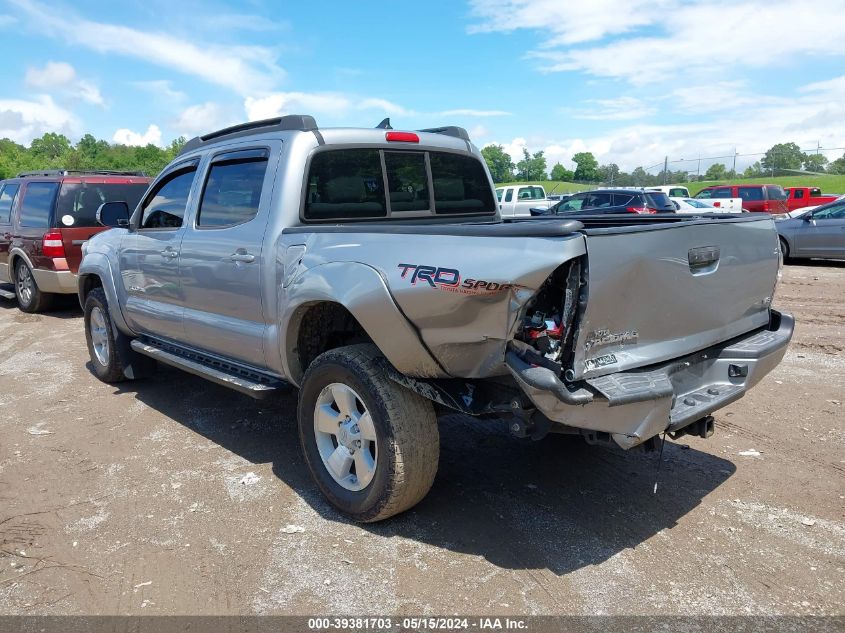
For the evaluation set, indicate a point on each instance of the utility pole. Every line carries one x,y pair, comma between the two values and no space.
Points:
698,171
665,167
733,169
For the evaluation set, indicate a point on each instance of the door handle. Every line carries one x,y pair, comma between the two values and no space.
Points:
169,253
242,256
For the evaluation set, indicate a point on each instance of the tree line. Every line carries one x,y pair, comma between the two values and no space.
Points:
780,159
55,151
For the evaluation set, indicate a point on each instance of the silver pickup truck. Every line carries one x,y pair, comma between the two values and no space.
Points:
370,268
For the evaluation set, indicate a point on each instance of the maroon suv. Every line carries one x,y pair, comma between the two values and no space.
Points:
44,219
764,198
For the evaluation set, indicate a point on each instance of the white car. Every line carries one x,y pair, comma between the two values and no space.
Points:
517,201
693,205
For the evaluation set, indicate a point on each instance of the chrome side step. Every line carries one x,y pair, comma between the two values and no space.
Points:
6,294
252,383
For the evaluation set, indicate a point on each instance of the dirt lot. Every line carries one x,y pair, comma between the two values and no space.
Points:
172,495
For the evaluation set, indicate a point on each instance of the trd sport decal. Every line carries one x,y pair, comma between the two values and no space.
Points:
449,279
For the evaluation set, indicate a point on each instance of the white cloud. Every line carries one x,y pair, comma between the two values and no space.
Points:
699,38
61,77
126,136
618,109
162,90
474,113
203,118
23,120
244,69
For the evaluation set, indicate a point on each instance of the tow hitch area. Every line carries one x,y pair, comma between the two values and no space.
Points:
703,428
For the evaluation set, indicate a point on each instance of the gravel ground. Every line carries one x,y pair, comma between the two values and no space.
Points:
173,495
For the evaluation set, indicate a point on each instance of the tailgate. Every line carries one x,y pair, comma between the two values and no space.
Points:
657,293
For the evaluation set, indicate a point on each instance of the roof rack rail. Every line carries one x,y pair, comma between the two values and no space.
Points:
449,130
79,172
300,122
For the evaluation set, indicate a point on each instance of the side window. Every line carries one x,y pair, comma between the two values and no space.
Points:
598,201
509,196
815,192
723,193
37,204
499,194
573,204
705,194
774,192
407,181
833,212
7,201
345,184
461,184
165,207
798,194
622,199
233,189
751,193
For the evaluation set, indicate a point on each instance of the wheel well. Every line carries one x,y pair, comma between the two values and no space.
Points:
783,240
89,282
323,326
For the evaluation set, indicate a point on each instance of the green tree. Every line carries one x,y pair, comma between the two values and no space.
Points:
498,161
640,177
561,173
587,167
609,173
716,171
837,166
50,147
815,162
783,156
531,167
753,171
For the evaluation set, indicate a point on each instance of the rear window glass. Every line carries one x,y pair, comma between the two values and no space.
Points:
7,199
347,184
37,204
531,193
78,202
774,192
752,193
460,184
659,200
679,192
407,181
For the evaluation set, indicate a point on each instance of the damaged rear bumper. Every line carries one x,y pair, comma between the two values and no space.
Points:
635,405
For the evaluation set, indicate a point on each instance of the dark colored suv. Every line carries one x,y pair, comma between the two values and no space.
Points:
601,201
761,198
44,219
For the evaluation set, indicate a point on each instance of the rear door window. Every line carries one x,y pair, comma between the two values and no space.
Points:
598,201
165,207
233,188
460,184
345,184
8,193
78,202
752,193
622,199
37,204
509,196
774,192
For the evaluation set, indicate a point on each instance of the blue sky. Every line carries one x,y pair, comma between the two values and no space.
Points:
631,81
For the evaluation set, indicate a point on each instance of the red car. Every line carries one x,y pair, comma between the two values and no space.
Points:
44,219
800,197
765,198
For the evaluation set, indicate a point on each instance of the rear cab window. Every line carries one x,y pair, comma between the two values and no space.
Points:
531,193
679,192
79,200
37,204
8,194
371,183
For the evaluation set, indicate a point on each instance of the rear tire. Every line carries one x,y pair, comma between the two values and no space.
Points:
30,297
112,358
784,249
380,440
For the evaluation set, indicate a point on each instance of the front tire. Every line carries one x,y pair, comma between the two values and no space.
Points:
784,249
371,445
30,297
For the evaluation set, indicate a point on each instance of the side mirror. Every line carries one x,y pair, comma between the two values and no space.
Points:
113,214
809,218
